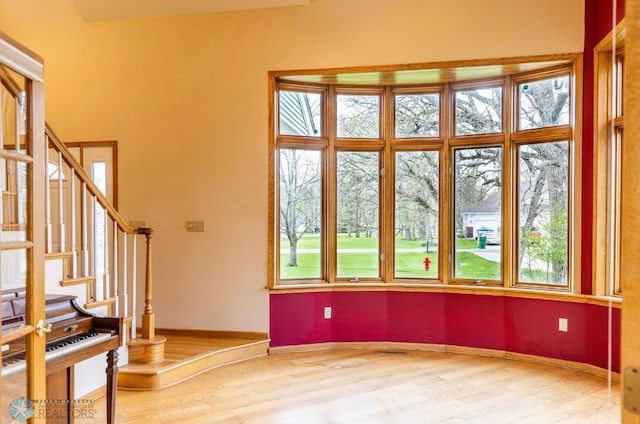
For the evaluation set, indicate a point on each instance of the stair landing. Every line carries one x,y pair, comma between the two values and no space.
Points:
189,353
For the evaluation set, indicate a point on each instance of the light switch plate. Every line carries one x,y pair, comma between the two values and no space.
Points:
138,223
195,226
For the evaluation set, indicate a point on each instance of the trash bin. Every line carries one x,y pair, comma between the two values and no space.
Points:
482,242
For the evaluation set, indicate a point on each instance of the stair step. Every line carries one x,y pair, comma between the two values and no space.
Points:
146,351
58,255
187,357
98,303
77,281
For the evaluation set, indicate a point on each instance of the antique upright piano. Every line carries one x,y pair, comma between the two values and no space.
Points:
75,335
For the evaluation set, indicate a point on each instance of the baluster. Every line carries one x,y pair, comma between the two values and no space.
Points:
114,281
94,254
85,242
134,284
61,229
83,247
125,279
105,270
47,199
18,124
74,251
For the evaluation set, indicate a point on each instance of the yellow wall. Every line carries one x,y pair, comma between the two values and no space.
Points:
186,97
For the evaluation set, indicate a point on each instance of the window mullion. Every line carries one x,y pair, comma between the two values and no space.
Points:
331,184
446,232
509,206
387,197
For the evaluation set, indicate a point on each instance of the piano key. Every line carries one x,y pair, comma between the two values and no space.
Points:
17,363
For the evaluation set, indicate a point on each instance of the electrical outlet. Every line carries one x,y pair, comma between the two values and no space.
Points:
563,325
327,312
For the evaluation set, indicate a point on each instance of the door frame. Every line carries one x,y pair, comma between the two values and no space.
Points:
113,144
29,65
630,239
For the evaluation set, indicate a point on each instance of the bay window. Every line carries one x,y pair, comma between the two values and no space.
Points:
453,181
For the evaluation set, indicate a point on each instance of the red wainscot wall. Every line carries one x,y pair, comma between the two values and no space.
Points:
503,323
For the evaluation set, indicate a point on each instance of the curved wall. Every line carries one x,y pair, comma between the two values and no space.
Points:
503,323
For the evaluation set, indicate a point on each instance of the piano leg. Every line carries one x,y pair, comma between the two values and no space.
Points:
112,381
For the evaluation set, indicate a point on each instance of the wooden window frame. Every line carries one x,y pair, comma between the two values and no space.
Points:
607,132
560,133
328,81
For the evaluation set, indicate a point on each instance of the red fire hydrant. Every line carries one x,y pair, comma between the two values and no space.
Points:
427,263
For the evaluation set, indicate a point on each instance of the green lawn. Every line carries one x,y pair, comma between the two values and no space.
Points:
408,264
308,266
360,264
470,265
411,264
312,241
466,243
307,241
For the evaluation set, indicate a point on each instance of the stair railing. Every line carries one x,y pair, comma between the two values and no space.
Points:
97,246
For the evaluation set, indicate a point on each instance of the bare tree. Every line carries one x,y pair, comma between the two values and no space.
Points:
417,194
299,196
358,193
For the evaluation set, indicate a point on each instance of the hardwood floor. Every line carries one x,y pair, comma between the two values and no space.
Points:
366,386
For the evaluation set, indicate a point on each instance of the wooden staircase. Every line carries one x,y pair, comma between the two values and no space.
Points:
111,287
155,360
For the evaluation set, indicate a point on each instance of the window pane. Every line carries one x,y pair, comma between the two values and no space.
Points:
615,212
479,111
544,103
416,215
13,213
619,87
478,213
358,200
543,215
300,213
358,116
300,113
417,115
13,265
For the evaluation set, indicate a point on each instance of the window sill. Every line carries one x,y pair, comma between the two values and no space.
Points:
530,293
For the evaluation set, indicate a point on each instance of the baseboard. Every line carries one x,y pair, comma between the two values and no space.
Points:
96,394
318,347
461,350
212,333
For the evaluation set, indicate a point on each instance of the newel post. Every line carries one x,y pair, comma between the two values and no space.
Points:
148,318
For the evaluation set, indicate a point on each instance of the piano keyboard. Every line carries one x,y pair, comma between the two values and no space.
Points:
55,349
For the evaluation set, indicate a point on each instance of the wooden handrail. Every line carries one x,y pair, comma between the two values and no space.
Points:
95,191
